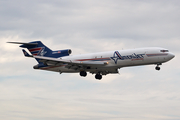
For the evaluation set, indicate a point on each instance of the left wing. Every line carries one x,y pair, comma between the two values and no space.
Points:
55,61
72,64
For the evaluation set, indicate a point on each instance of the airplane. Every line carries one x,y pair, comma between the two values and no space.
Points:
101,63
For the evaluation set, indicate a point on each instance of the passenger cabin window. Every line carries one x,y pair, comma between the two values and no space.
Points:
164,50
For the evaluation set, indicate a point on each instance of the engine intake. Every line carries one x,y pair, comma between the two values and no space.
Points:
61,53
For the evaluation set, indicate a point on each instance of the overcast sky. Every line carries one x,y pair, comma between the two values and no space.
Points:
138,93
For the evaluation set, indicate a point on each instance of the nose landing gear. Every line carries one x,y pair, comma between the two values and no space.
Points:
157,67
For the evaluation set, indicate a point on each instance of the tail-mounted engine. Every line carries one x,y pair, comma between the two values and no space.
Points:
61,53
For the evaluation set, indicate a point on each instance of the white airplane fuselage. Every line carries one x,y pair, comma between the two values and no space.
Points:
101,63
115,60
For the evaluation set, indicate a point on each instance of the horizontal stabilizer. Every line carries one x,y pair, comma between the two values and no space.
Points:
23,43
26,54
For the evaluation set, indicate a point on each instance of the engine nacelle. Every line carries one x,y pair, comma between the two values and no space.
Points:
61,53
39,66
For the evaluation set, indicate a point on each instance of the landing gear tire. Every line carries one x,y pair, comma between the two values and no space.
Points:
157,68
98,76
83,73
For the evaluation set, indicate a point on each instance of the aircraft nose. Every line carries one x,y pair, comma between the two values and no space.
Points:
171,55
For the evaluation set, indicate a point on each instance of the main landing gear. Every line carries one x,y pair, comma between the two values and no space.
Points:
83,73
98,76
157,67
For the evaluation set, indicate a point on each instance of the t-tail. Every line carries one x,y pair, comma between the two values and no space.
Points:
37,48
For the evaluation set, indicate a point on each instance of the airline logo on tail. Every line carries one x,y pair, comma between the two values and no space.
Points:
38,51
117,56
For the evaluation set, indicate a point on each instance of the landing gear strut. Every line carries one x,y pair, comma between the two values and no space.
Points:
157,67
98,76
83,73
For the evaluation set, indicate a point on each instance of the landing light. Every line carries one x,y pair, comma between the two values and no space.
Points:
106,63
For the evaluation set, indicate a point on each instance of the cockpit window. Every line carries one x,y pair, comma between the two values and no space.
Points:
164,50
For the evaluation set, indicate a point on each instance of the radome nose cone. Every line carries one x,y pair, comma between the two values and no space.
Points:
172,55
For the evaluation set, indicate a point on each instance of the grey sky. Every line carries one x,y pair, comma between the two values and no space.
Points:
89,26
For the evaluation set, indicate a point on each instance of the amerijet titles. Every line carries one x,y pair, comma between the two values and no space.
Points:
117,56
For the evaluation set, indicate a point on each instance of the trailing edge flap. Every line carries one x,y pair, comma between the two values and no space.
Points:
55,61
26,54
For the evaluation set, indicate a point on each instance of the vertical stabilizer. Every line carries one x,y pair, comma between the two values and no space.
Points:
38,50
